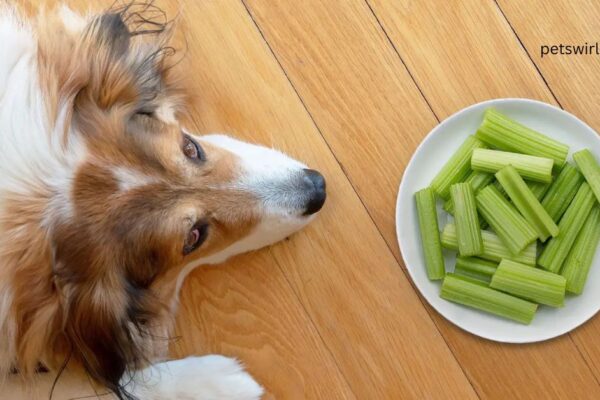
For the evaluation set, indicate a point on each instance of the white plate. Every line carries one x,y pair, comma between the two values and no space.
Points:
429,158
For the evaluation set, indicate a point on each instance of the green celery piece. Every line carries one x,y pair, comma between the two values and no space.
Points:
466,220
562,191
457,168
526,202
473,294
475,268
430,234
580,258
529,283
505,220
478,181
539,189
590,169
557,249
498,186
501,132
493,248
529,167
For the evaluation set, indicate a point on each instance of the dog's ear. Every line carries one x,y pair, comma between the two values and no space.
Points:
113,33
104,311
123,58
116,65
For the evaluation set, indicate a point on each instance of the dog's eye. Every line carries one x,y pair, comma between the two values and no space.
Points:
192,150
146,113
195,237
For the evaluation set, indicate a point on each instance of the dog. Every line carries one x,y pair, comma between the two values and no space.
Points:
107,203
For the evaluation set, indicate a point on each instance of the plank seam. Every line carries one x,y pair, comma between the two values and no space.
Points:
308,314
422,301
527,53
391,43
402,60
512,28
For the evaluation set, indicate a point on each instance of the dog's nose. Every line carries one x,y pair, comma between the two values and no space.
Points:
316,186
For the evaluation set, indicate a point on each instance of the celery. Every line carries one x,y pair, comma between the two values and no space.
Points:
526,202
498,186
457,168
501,132
529,167
590,169
530,283
539,189
430,233
493,248
562,191
478,181
506,221
475,268
578,262
476,295
569,226
466,220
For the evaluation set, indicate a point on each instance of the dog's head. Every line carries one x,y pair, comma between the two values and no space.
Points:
148,198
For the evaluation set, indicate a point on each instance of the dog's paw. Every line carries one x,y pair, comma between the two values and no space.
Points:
211,377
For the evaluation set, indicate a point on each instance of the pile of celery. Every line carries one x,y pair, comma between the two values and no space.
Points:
517,182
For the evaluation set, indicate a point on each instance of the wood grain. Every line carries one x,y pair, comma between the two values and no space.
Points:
484,53
351,87
336,67
574,81
459,52
360,302
246,310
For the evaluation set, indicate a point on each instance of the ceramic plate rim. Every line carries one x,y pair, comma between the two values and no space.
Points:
418,284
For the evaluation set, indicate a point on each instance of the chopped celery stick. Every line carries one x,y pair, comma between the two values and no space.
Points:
476,295
457,168
430,233
505,220
569,226
529,283
562,191
539,189
493,248
590,169
501,132
527,203
475,268
466,220
529,167
478,181
578,262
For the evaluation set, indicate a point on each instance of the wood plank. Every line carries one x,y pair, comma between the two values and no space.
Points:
572,78
247,310
71,384
361,303
459,52
335,56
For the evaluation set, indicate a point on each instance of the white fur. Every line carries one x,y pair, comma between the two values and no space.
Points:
129,178
72,21
277,181
210,377
274,178
32,158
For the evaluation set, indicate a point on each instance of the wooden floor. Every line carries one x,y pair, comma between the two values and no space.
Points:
352,87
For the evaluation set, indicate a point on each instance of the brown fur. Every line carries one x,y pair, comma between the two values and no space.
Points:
97,286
